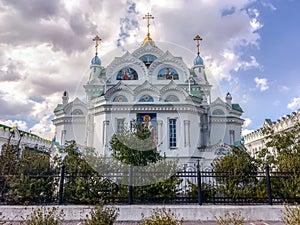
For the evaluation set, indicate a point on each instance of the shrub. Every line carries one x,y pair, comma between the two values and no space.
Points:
44,216
231,219
102,216
291,215
161,217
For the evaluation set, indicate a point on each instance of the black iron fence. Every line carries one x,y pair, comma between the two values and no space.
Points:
137,186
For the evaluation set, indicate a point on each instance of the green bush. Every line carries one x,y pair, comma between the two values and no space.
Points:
44,216
161,217
102,216
231,219
291,215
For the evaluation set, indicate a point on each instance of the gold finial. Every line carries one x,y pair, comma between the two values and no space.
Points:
97,39
148,17
198,39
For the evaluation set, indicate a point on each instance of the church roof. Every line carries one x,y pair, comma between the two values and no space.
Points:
237,107
58,107
96,61
198,60
196,93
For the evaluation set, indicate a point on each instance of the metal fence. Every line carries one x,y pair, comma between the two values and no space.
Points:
147,187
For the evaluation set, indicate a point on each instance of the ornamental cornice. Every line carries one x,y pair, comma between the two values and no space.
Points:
174,87
120,86
140,108
146,86
147,49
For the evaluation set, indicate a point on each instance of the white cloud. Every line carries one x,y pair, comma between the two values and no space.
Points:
43,57
261,83
294,104
245,126
283,88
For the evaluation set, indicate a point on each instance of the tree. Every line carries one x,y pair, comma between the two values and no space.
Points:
25,178
136,148
152,175
82,183
234,174
282,153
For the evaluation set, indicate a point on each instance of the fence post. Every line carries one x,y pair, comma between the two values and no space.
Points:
130,188
268,182
199,183
61,184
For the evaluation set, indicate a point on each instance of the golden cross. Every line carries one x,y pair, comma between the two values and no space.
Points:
198,39
148,16
97,39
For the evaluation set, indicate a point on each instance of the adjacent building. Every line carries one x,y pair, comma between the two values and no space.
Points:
256,140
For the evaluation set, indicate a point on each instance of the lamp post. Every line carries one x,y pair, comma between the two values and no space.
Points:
61,179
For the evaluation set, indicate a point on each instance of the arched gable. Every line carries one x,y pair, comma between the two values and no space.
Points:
173,89
126,63
166,62
118,90
146,89
76,107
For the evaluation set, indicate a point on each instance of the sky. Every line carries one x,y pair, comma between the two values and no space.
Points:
250,49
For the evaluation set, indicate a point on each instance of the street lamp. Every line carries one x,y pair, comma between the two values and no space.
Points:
62,178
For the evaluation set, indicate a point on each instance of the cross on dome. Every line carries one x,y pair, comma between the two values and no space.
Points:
97,39
148,17
198,39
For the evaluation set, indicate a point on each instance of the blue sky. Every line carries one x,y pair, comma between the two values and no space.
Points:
250,48
277,56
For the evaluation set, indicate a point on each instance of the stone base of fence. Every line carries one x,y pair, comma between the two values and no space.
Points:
133,213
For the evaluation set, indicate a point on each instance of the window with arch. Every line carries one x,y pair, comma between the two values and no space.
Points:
120,98
167,73
148,59
127,73
172,98
77,112
146,98
218,112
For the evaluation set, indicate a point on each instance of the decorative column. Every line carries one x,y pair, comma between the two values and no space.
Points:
200,141
159,132
105,132
187,133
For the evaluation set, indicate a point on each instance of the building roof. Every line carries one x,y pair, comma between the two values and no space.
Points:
237,107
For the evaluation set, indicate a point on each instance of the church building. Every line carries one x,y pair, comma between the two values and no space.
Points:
157,88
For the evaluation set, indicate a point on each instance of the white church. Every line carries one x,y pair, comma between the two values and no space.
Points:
155,87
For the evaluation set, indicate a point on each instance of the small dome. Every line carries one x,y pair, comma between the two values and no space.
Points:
96,60
198,60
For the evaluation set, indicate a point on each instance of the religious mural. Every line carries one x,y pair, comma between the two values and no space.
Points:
127,73
120,98
149,120
167,73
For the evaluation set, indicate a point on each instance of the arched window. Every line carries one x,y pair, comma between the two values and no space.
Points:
218,112
221,151
120,98
146,98
127,73
172,98
148,59
77,112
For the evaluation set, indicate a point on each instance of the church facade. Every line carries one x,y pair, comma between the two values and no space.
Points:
153,87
